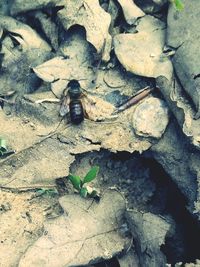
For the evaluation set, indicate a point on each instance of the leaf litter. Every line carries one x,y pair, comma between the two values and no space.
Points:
37,64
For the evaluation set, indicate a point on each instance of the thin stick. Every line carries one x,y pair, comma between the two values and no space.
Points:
6,101
134,99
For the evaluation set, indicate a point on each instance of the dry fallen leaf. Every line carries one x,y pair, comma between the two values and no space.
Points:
86,232
141,52
90,15
131,11
27,5
25,35
22,48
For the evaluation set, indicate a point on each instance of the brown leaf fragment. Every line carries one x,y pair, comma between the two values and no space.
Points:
90,15
131,11
89,233
24,34
27,5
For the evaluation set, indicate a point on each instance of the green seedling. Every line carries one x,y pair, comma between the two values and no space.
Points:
178,4
79,184
3,148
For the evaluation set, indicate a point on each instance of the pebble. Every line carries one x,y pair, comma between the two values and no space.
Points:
150,118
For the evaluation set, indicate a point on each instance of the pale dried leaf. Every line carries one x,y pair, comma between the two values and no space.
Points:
53,69
141,53
27,5
71,240
131,11
28,38
98,109
75,64
90,15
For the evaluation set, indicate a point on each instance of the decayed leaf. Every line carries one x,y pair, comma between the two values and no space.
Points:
49,28
74,64
59,71
22,48
24,34
90,15
141,53
27,5
181,108
131,11
72,239
149,232
37,165
53,69
97,109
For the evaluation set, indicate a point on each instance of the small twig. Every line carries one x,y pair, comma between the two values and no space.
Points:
134,99
26,188
7,101
53,131
7,153
9,93
48,100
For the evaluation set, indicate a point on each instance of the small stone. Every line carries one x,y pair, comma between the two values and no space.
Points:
150,118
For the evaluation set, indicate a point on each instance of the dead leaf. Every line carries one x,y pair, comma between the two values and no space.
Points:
131,11
24,34
141,52
90,15
75,64
27,5
72,239
22,47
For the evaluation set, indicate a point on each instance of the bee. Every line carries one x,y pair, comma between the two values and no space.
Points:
79,105
72,103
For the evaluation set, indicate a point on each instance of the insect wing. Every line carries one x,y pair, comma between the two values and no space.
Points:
64,109
88,106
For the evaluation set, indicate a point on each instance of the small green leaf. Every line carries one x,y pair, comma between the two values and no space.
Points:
3,144
40,191
91,174
76,181
83,192
178,4
2,151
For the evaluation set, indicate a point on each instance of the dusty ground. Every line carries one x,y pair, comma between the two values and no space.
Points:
22,218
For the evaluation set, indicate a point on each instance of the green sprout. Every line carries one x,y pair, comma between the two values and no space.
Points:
3,147
178,4
79,184
4,150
